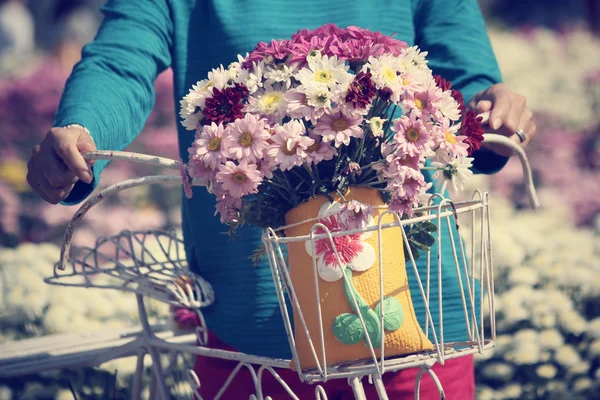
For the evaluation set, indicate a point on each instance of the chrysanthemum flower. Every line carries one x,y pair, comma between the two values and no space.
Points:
239,180
456,173
225,105
319,151
247,138
298,107
324,71
208,146
289,145
269,102
411,135
339,128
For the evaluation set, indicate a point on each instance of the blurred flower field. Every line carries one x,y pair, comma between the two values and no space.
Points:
547,262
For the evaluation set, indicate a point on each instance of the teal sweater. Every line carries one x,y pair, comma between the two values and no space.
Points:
111,93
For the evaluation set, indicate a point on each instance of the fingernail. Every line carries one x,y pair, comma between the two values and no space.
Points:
87,177
496,123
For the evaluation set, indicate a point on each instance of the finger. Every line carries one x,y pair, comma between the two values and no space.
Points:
56,172
511,121
42,187
501,107
74,160
484,105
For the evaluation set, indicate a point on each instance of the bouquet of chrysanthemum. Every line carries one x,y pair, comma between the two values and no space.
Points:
327,110
333,126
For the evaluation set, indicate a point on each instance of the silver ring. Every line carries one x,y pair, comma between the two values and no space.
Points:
521,134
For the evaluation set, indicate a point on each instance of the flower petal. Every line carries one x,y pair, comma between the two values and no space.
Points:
308,245
364,260
329,208
367,235
329,273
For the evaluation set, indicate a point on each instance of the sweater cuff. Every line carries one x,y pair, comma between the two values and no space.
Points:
487,162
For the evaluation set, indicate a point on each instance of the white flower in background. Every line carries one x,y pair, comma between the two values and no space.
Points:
594,349
324,71
511,391
385,71
498,371
572,321
581,368
525,353
542,316
280,73
593,329
486,393
546,371
252,78
376,126
582,385
526,336
524,276
550,339
413,58
567,356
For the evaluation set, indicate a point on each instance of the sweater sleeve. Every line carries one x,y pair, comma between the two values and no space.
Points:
111,90
455,35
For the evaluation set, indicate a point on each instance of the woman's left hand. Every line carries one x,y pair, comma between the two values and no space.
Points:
508,116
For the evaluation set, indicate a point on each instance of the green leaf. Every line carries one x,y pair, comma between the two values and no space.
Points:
393,313
418,245
424,238
348,329
413,249
430,226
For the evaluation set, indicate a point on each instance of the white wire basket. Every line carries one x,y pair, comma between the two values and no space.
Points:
130,266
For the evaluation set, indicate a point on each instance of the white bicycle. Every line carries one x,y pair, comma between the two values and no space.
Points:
127,265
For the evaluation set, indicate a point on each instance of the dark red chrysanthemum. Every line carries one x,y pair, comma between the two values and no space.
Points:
471,128
442,83
225,105
361,91
385,93
457,95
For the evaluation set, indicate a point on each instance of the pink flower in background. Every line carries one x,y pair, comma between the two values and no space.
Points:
228,207
297,106
424,103
185,178
185,318
239,180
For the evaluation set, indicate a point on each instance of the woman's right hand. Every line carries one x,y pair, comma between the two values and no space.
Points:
56,164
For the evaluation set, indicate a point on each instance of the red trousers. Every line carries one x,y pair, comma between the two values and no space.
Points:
456,376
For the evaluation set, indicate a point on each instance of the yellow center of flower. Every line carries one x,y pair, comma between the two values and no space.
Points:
405,82
214,144
450,138
323,76
412,135
339,125
14,172
246,139
419,104
270,102
389,74
239,177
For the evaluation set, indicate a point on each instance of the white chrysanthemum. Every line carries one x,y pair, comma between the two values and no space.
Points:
252,78
456,173
546,371
280,73
567,356
413,58
324,71
448,106
385,71
219,77
550,339
593,329
317,96
542,316
581,368
269,102
498,371
376,125
486,393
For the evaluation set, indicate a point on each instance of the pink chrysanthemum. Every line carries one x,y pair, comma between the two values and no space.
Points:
339,128
239,180
298,108
209,146
411,135
319,151
302,48
248,138
278,49
355,215
289,145
424,103
449,144
228,207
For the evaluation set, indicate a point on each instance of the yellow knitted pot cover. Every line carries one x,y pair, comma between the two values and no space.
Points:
344,336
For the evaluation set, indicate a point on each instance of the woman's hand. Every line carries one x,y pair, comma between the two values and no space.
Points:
56,164
508,116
